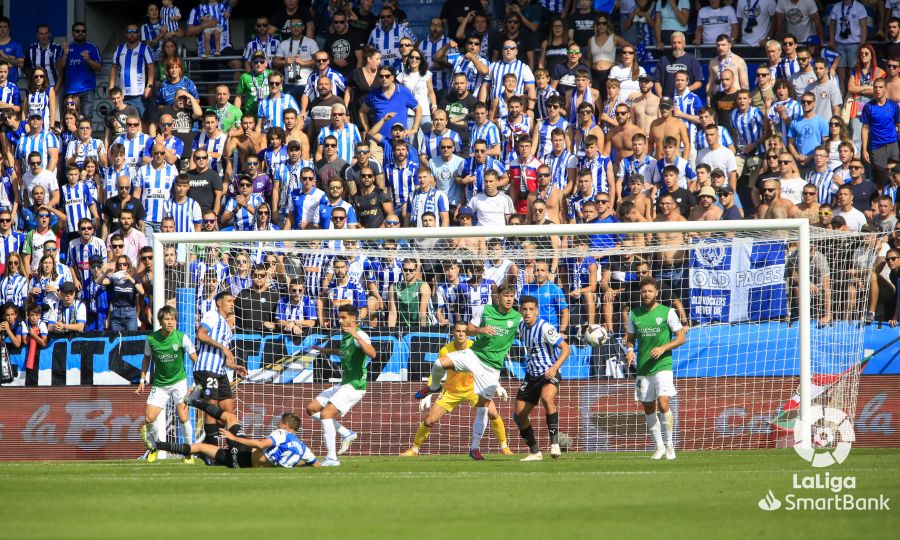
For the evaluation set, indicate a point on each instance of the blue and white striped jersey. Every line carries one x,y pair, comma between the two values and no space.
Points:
540,342
9,93
460,301
46,58
440,77
540,107
273,158
686,172
76,201
214,146
11,243
470,167
579,271
79,255
338,83
339,294
172,143
792,110
689,103
347,138
170,17
109,176
40,143
385,273
243,219
156,189
544,144
314,265
598,168
267,47
724,139
72,314
476,79
786,69
39,103
304,311
748,128
824,186
401,181
13,288
82,150
237,283
645,166
134,65
211,358
271,110
325,208
134,148
303,207
187,214
288,450
428,145
510,132
433,200
499,69
204,10
560,166
576,204
388,43
6,188
487,131
553,6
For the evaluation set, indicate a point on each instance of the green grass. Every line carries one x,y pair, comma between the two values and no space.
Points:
701,495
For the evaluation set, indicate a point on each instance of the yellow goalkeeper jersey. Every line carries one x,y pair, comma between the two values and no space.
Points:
458,382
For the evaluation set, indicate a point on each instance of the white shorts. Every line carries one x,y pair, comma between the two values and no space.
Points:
486,378
661,383
160,395
342,396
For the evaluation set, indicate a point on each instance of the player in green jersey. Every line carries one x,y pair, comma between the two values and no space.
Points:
356,349
166,349
495,330
657,330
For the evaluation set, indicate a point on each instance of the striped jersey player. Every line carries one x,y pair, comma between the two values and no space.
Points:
545,352
155,186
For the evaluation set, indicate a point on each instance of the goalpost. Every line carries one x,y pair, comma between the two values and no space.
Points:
769,333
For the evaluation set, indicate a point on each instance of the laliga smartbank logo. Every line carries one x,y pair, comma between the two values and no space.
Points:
831,437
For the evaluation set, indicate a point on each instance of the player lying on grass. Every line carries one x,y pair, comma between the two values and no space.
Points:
282,448
545,352
651,326
166,349
458,388
356,348
495,331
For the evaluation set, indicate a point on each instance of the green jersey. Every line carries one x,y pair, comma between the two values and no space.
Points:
353,360
253,88
167,354
229,116
492,350
408,299
651,329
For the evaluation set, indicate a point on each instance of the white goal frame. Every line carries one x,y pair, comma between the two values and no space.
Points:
800,226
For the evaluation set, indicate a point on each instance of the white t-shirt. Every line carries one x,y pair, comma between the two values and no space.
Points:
492,211
854,218
847,17
763,11
623,74
44,178
304,48
792,189
418,85
715,22
797,17
723,158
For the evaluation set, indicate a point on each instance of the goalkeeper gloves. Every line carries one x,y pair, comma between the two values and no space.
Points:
425,403
502,393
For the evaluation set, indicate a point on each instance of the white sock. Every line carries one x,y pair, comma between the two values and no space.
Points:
159,428
666,420
328,432
341,430
187,431
478,426
437,373
653,428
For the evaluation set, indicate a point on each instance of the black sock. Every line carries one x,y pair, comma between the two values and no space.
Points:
211,434
237,429
528,436
177,448
553,427
208,408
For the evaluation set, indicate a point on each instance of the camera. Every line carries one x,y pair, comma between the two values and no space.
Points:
751,24
845,32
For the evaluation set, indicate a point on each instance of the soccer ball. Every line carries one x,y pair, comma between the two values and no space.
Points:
596,335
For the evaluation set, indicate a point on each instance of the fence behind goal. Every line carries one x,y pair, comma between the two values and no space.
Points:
772,311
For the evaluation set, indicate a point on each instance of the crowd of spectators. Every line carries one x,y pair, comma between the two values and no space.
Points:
525,112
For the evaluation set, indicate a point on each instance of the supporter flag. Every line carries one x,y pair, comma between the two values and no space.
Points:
735,280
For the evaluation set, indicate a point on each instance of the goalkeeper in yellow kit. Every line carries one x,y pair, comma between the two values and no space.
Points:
459,387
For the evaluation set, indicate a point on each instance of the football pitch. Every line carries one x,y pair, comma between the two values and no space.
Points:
701,495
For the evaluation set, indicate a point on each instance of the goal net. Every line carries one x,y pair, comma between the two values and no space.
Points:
766,305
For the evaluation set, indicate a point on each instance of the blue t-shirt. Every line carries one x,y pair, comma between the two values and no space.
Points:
882,121
808,133
400,102
79,76
14,49
551,300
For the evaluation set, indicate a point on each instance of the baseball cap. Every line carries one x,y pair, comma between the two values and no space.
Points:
645,78
666,103
395,125
465,211
813,40
67,287
725,188
707,191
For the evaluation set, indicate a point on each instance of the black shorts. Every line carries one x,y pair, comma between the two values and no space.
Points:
215,386
530,389
236,456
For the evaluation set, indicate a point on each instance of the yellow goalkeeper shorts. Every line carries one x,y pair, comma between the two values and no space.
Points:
450,400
